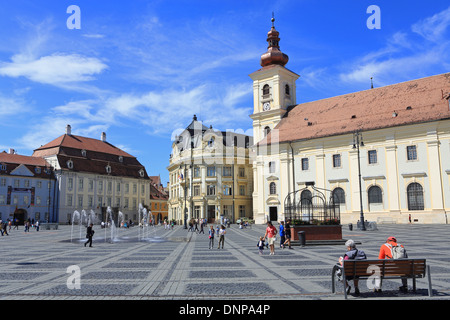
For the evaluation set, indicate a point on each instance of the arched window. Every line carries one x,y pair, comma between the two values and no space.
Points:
305,197
415,197
287,90
266,89
339,196
273,188
375,195
266,131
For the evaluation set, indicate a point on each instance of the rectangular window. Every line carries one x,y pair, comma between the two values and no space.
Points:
242,172
80,201
227,171
336,160
196,172
411,152
241,211
80,184
227,190
242,190
272,167
211,190
372,155
69,200
305,164
211,172
3,182
196,191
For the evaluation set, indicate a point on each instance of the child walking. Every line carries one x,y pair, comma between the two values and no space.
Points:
211,237
261,245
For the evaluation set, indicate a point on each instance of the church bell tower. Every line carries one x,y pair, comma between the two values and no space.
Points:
274,88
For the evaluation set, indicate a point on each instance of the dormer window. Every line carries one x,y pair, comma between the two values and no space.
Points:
3,167
141,173
108,169
69,164
37,170
120,159
83,153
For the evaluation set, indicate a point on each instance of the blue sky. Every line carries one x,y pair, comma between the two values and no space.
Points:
139,70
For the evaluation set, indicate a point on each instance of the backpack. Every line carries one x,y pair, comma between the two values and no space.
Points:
398,252
358,255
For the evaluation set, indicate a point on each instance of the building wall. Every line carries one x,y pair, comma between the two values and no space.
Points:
392,172
87,191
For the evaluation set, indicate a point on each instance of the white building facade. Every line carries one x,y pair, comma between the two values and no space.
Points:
210,175
92,174
404,147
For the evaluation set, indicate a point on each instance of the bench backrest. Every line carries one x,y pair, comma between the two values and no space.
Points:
385,267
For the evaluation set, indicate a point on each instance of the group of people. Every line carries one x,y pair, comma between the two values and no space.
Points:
271,235
220,231
389,250
5,226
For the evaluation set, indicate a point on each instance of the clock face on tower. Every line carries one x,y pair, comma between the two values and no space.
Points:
266,106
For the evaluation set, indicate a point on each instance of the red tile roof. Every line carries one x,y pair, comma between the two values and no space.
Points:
99,154
20,159
78,142
415,101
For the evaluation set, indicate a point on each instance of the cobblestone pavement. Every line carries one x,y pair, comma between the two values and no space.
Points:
177,265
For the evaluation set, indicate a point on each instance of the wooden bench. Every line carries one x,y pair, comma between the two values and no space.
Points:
385,269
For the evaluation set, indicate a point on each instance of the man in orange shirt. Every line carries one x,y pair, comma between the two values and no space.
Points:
387,252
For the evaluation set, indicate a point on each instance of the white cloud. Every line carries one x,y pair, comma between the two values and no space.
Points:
55,69
433,28
405,56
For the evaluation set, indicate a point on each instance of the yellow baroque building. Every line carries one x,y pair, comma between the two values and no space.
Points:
210,175
384,151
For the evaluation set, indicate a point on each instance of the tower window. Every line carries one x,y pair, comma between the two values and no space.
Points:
287,90
266,90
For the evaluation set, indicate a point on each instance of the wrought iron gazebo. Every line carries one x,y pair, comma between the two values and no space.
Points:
311,205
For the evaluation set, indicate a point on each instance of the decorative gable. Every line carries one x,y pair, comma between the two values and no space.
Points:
22,170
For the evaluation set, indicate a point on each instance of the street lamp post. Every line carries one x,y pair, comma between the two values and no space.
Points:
357,142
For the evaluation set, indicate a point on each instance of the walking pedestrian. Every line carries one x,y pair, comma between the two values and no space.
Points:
261,245
287,233
36,224
211,237
270,234
222,233
201,228
89,234
282,235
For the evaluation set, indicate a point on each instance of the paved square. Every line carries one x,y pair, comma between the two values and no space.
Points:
176,264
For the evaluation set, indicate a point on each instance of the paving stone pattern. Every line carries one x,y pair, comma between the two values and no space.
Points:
179,265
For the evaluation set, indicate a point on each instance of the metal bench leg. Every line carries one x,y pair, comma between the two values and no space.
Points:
430,290
345,287
333,275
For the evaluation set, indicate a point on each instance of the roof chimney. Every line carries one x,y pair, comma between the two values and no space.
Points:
103,137
12,151
68,130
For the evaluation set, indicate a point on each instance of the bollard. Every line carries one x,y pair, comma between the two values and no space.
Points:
301,238
350,226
